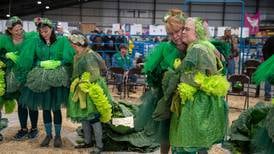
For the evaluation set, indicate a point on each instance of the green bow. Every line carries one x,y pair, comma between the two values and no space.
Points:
180,16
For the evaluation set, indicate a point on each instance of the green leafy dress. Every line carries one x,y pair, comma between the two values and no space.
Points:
199,111
161,59
46,88
81,105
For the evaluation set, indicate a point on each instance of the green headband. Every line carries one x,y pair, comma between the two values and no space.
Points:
45,21
74,38
180,17
12,20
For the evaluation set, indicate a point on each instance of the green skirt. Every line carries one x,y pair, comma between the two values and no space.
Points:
77,114
156,130
51,99
201,123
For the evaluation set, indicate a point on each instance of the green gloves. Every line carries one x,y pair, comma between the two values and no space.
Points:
50,64
12,56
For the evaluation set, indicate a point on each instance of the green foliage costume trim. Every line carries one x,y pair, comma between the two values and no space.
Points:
213,85
2,79
41,80
186,92
96,94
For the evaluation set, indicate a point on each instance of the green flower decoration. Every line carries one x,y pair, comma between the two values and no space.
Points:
181,17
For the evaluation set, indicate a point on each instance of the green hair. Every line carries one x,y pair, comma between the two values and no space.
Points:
200,29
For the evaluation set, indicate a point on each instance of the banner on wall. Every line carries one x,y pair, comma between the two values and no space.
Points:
245,32
136,29
211,31
252,22
2,26
115,27
157,30
221,31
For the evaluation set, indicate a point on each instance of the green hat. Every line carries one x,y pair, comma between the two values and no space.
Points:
45,21
12,20
77,39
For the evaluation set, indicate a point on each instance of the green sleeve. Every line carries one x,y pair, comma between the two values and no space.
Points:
154,58
68,52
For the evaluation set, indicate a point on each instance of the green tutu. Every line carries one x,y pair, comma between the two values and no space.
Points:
51,99
75,113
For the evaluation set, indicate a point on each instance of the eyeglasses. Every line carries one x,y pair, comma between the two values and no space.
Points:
177,33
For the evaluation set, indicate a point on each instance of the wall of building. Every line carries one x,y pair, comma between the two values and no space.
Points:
106,12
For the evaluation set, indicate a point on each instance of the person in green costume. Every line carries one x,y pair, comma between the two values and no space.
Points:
199,111
84,106
153,115
48,63
12,43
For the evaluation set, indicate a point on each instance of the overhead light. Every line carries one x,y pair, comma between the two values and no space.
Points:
8,15
39,2
47,7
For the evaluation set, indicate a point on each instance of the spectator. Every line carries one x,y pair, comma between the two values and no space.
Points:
97,41
268,51
122,59
120,39
109,46
233,49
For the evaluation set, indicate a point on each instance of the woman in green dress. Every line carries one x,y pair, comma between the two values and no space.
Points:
199,111
12,44
153,117
89,100
47,84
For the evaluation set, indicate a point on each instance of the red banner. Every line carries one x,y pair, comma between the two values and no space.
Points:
252,22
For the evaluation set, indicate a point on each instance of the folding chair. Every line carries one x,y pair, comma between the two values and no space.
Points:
111,79
140,81
244,80
249,68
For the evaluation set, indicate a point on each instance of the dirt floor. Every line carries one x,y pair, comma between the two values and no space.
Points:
9,146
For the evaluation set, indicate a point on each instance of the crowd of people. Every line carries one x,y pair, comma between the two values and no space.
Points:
183,109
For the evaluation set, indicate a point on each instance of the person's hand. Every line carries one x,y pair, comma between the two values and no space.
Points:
50,64
12,56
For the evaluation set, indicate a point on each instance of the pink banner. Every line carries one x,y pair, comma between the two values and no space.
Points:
252,22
